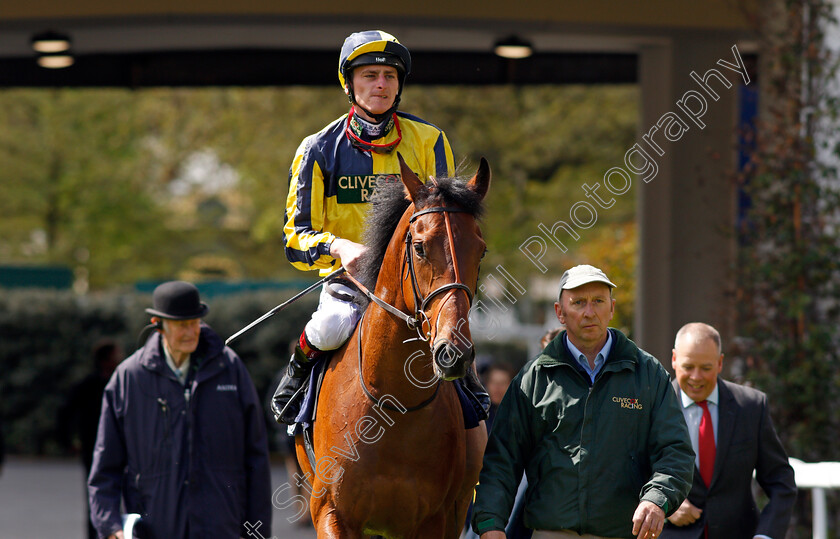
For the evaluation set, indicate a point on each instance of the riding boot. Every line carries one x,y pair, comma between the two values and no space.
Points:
289,393
477,395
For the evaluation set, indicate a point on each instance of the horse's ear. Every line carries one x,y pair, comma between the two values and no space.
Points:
416,189
480,183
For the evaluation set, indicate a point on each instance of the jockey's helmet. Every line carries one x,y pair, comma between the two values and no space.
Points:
372,47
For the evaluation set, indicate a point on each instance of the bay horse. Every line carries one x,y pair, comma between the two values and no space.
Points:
392,457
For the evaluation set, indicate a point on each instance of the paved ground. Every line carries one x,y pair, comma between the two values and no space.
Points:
44,499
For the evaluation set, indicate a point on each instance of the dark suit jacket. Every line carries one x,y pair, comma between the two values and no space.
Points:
746,441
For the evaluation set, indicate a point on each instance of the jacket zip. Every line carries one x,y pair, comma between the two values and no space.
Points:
164,407
583,426
189,421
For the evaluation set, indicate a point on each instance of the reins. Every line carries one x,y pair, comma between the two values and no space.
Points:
385,404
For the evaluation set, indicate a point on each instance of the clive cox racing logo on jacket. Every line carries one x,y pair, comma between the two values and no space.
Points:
628,402
356,188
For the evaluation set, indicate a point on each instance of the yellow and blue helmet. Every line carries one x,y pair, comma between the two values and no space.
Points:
372,47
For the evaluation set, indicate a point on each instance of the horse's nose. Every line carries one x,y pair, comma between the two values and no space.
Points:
452,360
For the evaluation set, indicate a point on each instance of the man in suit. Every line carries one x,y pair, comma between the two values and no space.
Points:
735,437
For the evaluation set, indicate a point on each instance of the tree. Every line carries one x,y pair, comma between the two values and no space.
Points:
73,193
789,276
543,143
154,184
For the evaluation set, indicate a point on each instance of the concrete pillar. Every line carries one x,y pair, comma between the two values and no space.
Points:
686,213
654,209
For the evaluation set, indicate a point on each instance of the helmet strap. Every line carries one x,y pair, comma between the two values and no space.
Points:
378,118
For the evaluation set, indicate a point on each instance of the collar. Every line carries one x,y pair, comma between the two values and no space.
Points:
624,354
210,357
358,129
371,130
714,397
604,353
180,372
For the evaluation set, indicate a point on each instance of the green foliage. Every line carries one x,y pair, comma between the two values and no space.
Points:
615,248
73,190
543,143
130,185
789,261
790,257
46,339
99,180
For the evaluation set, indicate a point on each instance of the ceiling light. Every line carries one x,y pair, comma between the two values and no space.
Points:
50,41
55,61
513,47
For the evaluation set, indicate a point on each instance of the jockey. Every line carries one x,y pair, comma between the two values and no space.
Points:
331,179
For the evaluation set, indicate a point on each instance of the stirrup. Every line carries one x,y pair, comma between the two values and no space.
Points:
293,405
285,401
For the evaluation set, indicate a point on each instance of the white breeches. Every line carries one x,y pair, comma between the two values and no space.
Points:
334,320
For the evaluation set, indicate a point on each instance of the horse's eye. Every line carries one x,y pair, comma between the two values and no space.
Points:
418,248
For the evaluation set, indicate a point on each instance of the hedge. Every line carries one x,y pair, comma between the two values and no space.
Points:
46,340
47,337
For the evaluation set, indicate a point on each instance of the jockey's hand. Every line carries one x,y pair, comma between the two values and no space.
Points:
686,514
348,252
117,535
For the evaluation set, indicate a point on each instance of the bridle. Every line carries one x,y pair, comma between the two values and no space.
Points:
416,321
421,304
420,317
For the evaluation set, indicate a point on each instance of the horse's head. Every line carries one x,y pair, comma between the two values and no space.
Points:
444,247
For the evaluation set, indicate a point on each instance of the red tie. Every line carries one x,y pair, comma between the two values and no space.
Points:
707,445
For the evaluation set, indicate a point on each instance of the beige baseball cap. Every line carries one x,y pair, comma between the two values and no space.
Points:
580,275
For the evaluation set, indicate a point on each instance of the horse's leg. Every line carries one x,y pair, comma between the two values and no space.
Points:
475,443
433,527
457,519
321,507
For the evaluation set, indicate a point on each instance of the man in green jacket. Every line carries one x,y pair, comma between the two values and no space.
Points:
596,426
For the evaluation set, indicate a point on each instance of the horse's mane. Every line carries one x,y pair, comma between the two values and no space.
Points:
389,202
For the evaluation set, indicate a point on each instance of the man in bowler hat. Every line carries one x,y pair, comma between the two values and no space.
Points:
181,437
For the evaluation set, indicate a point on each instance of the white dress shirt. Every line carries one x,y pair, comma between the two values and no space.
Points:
693,413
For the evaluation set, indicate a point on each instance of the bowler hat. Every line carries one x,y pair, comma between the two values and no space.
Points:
177,300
